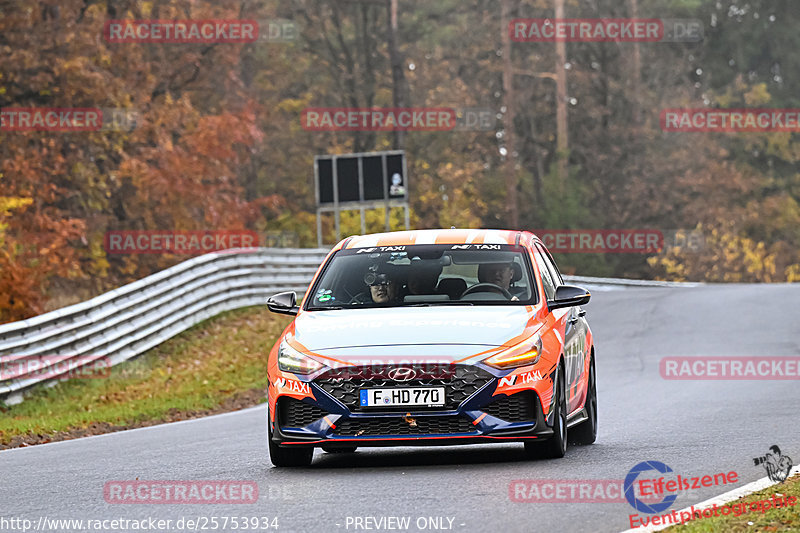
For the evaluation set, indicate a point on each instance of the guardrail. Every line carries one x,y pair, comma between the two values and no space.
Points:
621,282
128,321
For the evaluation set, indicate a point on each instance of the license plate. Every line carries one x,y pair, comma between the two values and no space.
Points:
410,396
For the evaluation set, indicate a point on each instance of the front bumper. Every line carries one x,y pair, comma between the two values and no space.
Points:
473,413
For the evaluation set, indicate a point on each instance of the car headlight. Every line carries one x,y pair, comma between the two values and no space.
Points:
290,360
517,356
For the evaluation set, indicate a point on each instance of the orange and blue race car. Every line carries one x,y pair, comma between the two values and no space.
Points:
433,337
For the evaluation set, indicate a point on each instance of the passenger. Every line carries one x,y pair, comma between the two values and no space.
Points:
423,276
383,285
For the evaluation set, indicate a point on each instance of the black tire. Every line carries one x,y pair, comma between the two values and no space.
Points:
281,457
586,432
556,446
340,449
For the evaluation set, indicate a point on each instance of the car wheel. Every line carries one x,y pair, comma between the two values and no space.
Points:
586,432
340,449
300,456
556,446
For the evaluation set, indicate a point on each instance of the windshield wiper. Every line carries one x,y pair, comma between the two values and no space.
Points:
330,308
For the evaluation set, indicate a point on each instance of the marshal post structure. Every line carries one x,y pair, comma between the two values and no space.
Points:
360,181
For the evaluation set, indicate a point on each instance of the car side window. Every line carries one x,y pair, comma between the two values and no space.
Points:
547,278
557,279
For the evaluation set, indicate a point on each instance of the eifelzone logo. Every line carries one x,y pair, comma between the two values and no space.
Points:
637,503
777,465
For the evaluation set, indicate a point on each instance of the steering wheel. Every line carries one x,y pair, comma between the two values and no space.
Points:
487,287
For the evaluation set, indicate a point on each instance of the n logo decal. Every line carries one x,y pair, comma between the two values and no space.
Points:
508,381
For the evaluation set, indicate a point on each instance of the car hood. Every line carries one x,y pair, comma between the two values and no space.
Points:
435,331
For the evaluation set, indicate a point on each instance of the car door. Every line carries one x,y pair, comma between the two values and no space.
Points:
575,329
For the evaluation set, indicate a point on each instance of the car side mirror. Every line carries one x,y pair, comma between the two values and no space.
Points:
568,296
284,303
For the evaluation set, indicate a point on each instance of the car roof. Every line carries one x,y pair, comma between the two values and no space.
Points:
436,236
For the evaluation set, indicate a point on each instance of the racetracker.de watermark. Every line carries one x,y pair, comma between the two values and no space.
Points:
605,30
645,241
54,366
730,368
66,119
215,522
180,492
199,31
624,241
362,369
176,241
566,490
646,491
397,119
730,120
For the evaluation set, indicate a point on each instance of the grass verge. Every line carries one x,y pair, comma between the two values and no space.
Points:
752,519
216,366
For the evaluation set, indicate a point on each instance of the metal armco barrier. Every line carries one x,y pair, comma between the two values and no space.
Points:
128,321
619,282
132,319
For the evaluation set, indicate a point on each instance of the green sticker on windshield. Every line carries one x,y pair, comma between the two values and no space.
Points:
324,295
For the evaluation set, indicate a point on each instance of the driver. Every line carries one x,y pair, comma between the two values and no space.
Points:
499,274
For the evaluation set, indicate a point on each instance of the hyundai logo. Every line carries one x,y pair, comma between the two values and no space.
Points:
402,373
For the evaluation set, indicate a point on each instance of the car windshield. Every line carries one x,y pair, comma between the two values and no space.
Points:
424,275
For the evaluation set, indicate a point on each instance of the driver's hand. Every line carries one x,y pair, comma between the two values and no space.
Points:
514,299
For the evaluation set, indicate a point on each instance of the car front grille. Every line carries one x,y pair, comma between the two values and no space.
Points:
518,407
460,382
423,425
296,414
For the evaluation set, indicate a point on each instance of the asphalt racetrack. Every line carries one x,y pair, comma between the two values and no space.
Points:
695,427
